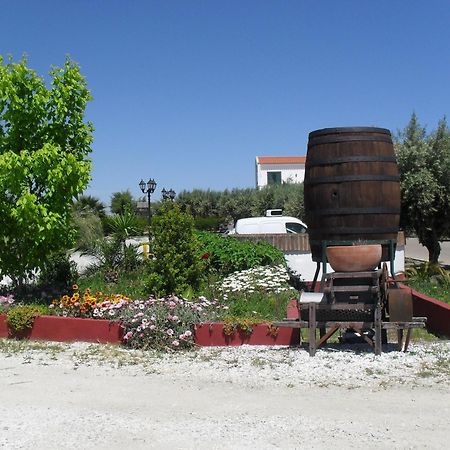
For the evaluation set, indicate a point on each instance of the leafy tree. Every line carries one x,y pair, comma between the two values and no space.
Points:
238,203
44,165
122,202
177,265
424,162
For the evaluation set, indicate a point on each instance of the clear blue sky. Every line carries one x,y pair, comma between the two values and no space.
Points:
190,91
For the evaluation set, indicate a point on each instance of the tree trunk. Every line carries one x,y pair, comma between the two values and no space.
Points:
431,242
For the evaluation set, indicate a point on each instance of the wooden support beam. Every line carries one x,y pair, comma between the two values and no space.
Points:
327,335
407,339
312,329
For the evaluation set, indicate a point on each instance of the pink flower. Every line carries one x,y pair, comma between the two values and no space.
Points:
170,332
188,333
176,343
128,335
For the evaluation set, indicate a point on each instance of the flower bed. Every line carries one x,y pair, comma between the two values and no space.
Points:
68,329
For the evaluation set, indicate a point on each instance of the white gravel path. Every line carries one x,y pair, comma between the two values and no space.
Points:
98,396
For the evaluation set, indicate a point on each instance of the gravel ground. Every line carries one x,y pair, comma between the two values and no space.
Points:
100,396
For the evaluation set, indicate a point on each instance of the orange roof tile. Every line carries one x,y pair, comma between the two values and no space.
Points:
281,159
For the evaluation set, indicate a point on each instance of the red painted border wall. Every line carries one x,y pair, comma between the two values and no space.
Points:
67,329
436,312
211,334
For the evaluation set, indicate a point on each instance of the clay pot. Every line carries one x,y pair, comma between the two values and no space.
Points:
354,258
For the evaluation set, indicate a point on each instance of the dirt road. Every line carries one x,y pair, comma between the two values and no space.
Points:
50,401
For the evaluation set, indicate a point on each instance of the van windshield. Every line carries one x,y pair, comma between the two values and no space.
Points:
297,228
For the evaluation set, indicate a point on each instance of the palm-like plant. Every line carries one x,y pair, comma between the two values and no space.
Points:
88,204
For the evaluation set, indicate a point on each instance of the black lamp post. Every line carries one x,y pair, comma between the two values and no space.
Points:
168,195
148,189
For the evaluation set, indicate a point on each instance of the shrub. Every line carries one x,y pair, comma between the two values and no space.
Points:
58,273
208,223
176,265
160,323
112,256
429,272
227,255
20,319
89,228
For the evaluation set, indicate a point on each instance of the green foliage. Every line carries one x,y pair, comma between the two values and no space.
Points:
89,229
44,144
58,273
121,202
424,162
226,254
208,223
240,324
429,287
131,283
20,319
260,305
113,259
163,323
429,272
239,203
176,264
124,225
87,204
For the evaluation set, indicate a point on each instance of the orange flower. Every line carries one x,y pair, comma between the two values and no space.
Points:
75,287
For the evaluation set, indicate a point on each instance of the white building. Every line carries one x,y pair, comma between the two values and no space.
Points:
279,170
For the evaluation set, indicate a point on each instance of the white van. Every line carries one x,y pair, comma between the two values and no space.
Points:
270,224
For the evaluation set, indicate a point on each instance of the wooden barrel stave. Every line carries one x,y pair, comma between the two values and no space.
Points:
352,189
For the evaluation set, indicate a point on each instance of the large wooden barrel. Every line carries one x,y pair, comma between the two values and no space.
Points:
352,187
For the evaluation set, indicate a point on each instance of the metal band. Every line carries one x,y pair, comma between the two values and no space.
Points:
350,159
342,130
352,211
332,139
362,231
351,178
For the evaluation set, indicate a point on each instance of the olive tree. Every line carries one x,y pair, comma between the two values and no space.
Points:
424,163
44,164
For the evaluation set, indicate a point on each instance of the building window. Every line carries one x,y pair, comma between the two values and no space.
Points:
273,178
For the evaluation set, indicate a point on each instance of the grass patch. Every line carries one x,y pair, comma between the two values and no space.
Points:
438,292
130,284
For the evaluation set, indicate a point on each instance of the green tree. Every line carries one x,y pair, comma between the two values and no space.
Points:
87,203
177,265
424,162
122,202
44,165
238,203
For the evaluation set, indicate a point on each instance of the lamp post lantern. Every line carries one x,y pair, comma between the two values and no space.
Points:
148,188
168,195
